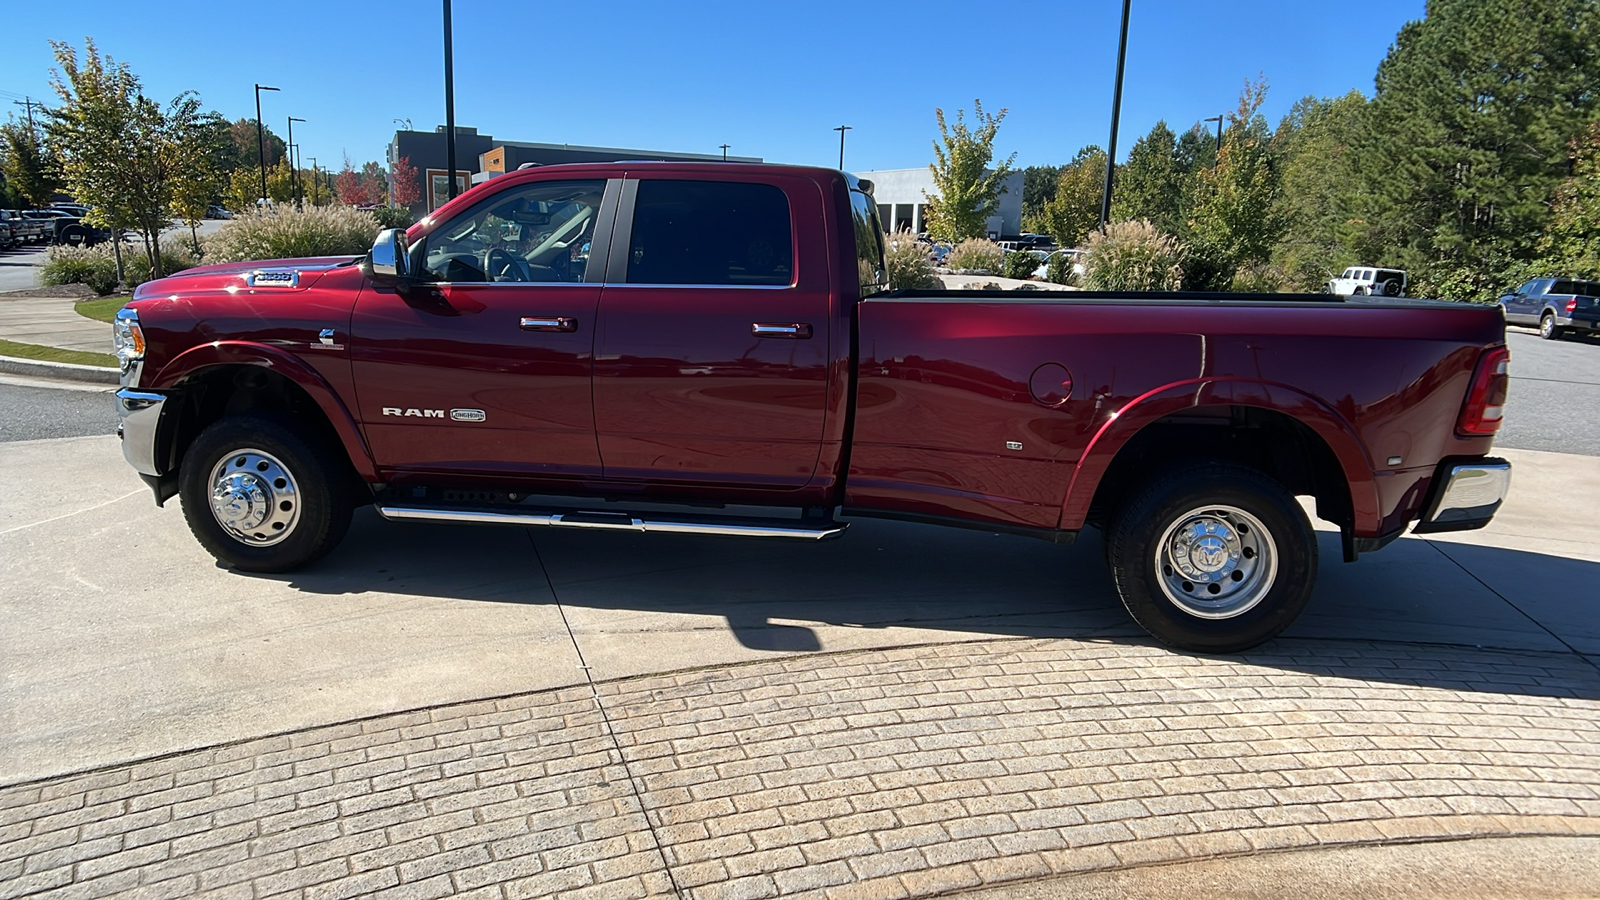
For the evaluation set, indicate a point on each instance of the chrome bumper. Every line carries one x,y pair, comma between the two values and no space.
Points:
141,416
1465,495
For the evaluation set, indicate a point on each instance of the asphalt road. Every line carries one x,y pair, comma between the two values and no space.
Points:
1554,401
32,409
19,268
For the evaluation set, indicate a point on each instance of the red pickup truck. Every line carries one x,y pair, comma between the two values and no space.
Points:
710,348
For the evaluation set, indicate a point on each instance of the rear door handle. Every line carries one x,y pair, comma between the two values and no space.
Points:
792,331
549,323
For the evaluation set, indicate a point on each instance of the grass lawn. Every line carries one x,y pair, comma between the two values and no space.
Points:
103,309
54,354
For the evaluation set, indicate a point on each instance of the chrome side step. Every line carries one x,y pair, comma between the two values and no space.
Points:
730,527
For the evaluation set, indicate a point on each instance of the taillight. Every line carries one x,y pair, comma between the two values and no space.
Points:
1486,401
1572,304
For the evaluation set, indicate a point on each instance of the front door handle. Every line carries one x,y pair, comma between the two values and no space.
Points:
790,330
549,323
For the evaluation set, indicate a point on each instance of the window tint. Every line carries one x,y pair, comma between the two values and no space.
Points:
710,232
1578,288
1525,288
538,232
869,244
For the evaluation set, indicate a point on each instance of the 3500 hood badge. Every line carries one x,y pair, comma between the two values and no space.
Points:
276,278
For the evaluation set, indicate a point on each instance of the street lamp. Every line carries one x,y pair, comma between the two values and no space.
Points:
725,152
406,122
1116,113
1218,159
841,129
294,173
261,140
313,181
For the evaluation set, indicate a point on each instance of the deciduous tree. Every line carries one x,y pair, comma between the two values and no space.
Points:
969,189
405,186
30,169
1075,209
1571,244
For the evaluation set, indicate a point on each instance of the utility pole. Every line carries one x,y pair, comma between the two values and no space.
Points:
261,141
841,129
449,107
1116,113
725,152
30,104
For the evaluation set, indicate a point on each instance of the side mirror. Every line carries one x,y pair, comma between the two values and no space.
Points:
388,263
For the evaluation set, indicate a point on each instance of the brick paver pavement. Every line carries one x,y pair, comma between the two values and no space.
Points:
895,773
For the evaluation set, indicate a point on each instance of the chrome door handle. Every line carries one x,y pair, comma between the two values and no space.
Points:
549,323
792,331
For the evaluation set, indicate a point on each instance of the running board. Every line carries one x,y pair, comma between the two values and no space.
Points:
729,527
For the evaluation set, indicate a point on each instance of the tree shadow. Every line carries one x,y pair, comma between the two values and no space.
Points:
1416,600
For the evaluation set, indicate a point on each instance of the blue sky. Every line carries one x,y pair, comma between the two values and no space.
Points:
770,79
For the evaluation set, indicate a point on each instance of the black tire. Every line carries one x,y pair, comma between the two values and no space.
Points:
278,464
1391,288
1359,291
1272,557
1548,329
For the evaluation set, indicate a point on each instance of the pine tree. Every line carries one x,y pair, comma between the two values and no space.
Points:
1150,184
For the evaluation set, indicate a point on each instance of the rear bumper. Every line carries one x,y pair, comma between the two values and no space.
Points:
1465,494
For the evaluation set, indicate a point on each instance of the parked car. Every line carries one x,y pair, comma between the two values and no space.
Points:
1043,271
216,212
1363,280
24,229
72,209
1555,305
729,346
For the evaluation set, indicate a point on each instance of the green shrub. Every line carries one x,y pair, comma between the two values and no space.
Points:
1262,278
1060,270
908,265
392,217
1133,256
67,264
1019,264
288,233
175,257
976,255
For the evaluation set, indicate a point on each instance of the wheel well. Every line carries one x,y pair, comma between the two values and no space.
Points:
1272,442
218,391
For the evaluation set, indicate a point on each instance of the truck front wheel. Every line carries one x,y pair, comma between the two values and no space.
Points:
262,498
1213,557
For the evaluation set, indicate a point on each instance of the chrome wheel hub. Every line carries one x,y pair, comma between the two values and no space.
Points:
1216,562
254,497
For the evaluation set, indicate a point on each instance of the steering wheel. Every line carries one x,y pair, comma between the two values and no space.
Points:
500,265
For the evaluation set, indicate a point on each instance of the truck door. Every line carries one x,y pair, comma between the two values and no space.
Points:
486,367
712,347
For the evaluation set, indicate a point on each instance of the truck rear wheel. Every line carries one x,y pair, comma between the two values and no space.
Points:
1213,557
1548,329
261,497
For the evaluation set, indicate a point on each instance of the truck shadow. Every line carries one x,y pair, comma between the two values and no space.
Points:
1442,615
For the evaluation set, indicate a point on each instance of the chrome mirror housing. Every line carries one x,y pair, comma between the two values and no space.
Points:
388,262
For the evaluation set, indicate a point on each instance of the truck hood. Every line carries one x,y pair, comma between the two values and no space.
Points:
263,276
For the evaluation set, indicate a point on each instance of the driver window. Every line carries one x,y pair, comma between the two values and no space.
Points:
538,232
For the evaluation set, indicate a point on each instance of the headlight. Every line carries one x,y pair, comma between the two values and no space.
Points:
127,338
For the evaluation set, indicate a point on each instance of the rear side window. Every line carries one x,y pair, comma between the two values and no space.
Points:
710,232
869,245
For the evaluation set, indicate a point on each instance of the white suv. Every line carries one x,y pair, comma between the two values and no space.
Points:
1361,280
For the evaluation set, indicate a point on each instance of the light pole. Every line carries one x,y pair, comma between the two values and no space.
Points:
406,122
1116,113
294,173
261,140
1218,159
841,129
449,107
725,152
313,181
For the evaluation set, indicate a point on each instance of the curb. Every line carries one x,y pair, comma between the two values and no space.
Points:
61,371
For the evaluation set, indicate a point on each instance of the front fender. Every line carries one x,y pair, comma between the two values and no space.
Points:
249,353
1352,455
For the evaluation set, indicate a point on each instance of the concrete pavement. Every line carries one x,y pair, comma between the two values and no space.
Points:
907,712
